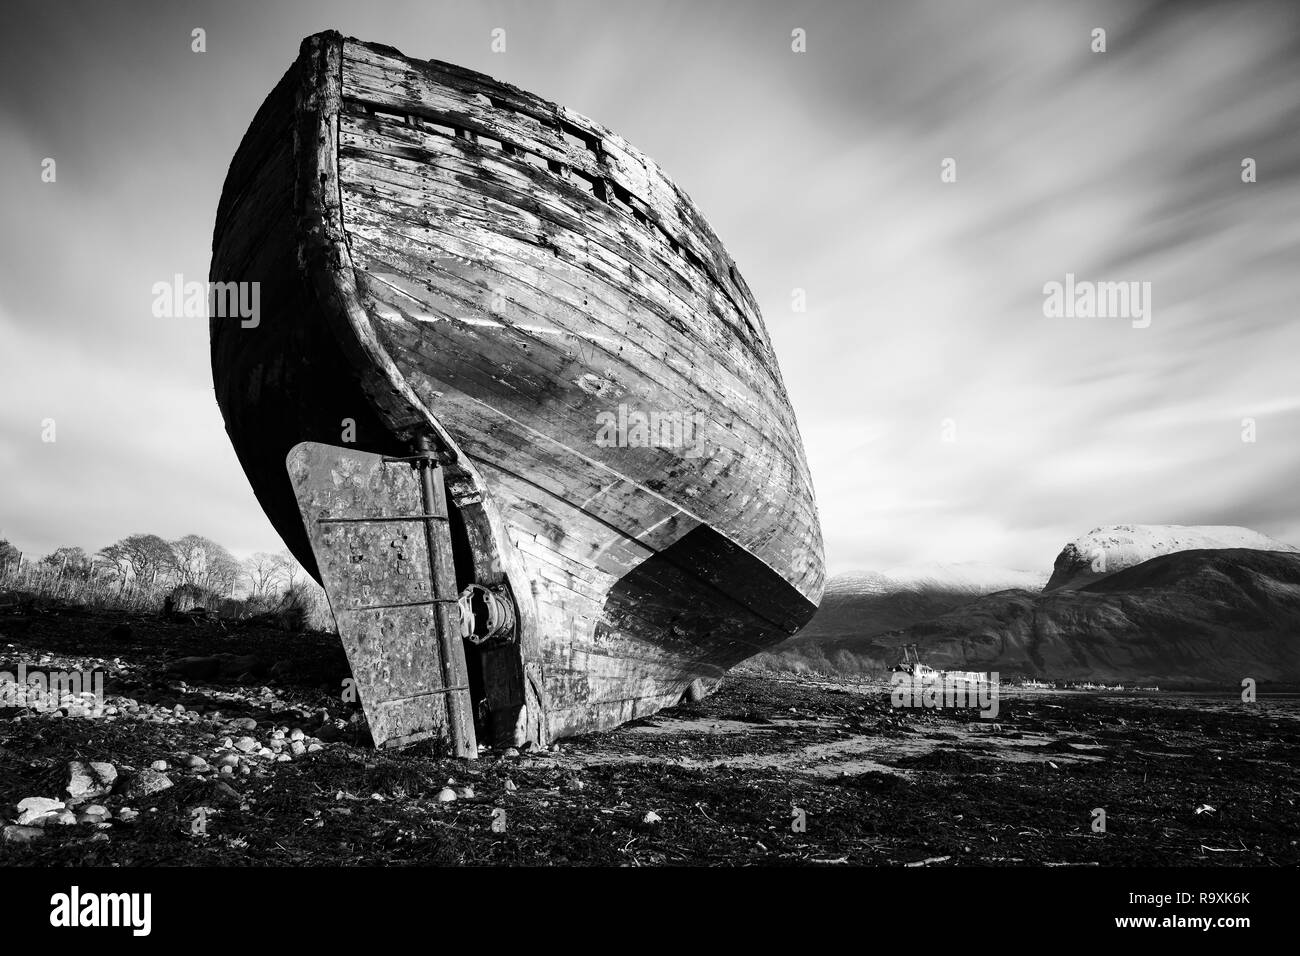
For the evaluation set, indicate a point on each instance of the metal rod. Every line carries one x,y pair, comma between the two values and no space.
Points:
429,693
380,607
433,498
398,459
381,518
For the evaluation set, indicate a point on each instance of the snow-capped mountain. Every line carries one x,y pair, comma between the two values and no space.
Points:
1103,551
970,576
962,577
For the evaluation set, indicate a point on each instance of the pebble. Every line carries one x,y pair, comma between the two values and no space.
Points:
148,782
446,795
244,723
283,758
651,817
35,809
510,752
63,818
510,786
158,765
465,792
126,814
298,748
22,834
92,779
195,762
94,814
296,734
228,760
246,744
313,748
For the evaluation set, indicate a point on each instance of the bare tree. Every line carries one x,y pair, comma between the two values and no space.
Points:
204,563
262,570
191,558
71,562
290,569
8,554
142,556
223,570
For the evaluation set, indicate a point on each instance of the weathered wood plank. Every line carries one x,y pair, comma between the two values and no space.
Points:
635,172
413,94
447,290
572,230
590,290
548,360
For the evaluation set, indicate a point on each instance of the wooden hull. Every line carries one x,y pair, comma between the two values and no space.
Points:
443,254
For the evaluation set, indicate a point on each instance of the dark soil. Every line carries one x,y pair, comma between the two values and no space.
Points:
730,777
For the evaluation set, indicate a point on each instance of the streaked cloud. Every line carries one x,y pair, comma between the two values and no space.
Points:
820,171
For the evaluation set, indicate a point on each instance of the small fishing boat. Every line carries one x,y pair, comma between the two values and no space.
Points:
508,399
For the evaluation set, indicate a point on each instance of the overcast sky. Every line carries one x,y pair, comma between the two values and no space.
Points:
819,170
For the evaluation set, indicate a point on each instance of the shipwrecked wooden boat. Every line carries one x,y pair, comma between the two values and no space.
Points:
508,399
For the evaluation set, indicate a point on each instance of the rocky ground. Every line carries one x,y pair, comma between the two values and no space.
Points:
230,746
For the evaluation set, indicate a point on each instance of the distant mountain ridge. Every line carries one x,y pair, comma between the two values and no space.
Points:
971,576
859,605
1185,605
1190,618
1104,551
